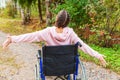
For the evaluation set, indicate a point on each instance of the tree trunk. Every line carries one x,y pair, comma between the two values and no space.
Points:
28,15
48,13
23,16
40,11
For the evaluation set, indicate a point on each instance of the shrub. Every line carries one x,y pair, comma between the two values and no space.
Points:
77,11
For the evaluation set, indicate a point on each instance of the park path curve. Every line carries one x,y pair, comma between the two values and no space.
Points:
25,57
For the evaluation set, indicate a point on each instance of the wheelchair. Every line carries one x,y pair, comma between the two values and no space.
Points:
60,61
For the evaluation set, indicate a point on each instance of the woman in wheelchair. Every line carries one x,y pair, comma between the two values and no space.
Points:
59,34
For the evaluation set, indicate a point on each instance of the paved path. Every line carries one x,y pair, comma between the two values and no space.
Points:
25,58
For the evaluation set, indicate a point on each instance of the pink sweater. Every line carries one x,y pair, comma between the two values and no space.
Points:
51,37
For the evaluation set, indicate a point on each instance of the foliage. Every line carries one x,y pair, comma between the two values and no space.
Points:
77,11
25,6
25,3
112,56
105,16
9,11
105,13
101,16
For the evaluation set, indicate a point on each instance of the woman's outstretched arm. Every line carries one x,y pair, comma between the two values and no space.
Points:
87,49
29,37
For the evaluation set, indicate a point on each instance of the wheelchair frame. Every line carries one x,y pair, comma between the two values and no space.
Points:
78,75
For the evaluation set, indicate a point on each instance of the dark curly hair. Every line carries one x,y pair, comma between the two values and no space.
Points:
62,19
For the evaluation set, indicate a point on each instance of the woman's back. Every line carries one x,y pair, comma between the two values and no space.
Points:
53,37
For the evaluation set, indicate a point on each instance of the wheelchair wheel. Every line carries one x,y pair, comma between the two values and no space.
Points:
37,74
81,72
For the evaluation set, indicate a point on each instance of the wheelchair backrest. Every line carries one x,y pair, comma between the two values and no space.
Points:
59,60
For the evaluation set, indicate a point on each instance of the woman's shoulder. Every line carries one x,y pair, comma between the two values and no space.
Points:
49,28
52,28
69,29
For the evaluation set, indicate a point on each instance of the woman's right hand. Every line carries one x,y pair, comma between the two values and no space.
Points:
7,42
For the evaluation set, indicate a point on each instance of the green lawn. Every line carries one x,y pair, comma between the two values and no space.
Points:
13,26
112,56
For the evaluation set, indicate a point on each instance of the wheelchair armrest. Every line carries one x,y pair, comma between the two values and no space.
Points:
39,54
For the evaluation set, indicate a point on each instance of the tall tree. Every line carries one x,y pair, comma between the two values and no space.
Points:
48,13
25,9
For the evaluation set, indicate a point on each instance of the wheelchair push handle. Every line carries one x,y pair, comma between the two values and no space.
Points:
79,44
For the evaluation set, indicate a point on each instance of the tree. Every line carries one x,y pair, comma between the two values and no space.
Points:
48,13
25,9
77,11
106,19
100,16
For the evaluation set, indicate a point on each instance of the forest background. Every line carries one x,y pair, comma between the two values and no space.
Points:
97,22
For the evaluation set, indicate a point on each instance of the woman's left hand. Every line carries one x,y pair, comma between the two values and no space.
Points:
102,61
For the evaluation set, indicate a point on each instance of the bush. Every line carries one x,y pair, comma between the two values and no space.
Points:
77,11
112,57
9,11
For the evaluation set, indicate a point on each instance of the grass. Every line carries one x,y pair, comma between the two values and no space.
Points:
112,57
14,27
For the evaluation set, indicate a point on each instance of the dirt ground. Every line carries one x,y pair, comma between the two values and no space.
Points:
21,59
